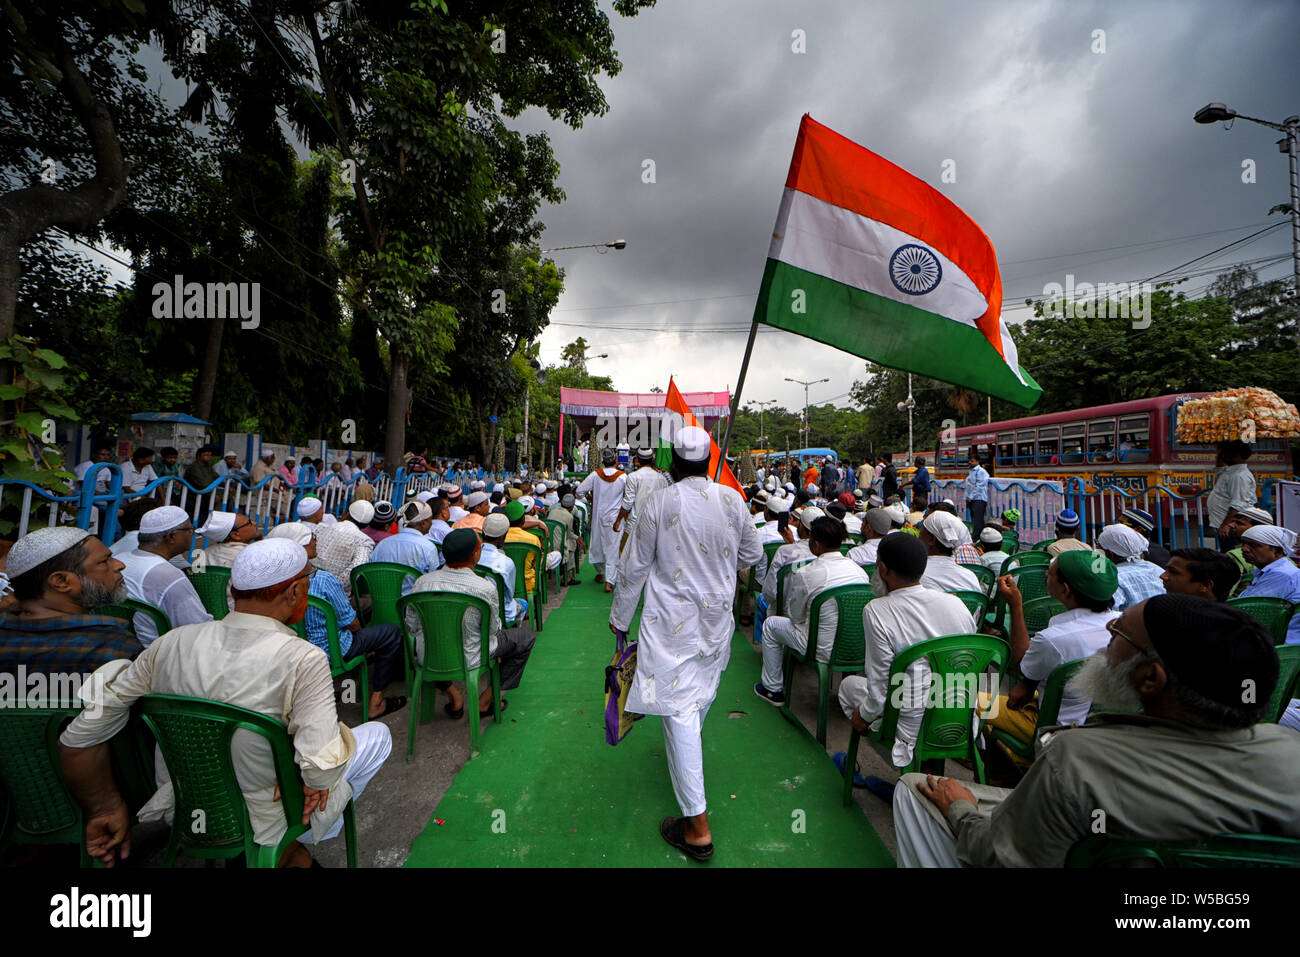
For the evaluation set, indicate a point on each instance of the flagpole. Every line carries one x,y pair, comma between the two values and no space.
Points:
735,400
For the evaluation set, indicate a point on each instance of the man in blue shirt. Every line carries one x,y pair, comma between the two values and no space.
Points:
977,490
411,546
384,641
1267,547
920,486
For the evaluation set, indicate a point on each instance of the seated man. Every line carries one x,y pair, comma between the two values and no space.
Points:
150,576
906,614
1194,763
1267,548
251,659
1085,584
1199,571
802,586
59,577
796,551
1067,534
876,524
940,533
411,545
383,641
511,648
1139,579
495,529
343,546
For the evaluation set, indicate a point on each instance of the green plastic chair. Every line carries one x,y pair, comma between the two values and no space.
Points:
41,808
212,584
482,571
383,582
976,602
1024,559
440,614
518,553
848,654
1288,678
1227,850
1273,613
1039,611
560,533
194,736
1049,709
957,661
339,666
987,576
1042,546
781,574
128,608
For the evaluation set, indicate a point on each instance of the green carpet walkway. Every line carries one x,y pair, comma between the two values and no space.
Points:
547,791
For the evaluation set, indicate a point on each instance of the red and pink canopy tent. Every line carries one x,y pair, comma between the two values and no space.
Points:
591,407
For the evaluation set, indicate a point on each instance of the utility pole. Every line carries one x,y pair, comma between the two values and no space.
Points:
805,403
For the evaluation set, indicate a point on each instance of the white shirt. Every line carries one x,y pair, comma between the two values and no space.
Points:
804,584
944,574
893,623
152,578
133,480
1071,635
794,552
692,537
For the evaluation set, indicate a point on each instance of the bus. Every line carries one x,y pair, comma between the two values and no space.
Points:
1127,446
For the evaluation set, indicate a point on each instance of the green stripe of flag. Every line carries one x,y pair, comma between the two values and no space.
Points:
890,333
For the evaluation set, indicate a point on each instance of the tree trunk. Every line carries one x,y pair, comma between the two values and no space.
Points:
398,400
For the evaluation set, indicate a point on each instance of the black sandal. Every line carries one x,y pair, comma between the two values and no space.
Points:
390,705
673,830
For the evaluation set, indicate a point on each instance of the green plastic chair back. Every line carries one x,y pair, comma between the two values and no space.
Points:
338,665
1273,613
1227,850
781,574
973,600
440,615
194,736
41,808
382,582
212,584
1039,611
848,653
1288,678
518,553
482,571
1024,559
128,608
987,576
957,663
1049,710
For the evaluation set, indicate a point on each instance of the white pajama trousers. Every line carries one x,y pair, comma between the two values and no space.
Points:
922,840
778,634
684,747
374,744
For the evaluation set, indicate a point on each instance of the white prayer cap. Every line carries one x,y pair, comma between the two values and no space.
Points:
498,487
38,547
308,507
163,519
361,511
810,515
527,502
424,496
1274,535
991,535
693,444
778,506
495,525
268,562
300,532
415,512
220,524
1123,541
475,500
1257,516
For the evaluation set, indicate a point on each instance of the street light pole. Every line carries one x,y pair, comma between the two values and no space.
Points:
805,403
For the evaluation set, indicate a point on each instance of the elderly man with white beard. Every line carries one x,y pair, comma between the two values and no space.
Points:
1193,763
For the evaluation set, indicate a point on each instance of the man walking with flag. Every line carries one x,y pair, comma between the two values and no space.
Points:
691,538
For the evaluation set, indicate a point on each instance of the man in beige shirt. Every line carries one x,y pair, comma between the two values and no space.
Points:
254,660
1194,763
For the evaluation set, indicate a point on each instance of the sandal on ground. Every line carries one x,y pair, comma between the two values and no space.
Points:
673,830
390,705
488,711
453,713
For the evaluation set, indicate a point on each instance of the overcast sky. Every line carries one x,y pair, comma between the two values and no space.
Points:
1072,161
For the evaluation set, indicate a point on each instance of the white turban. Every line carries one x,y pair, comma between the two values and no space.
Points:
309,507
1274,535
36,548
1123,541
266,563
164,519
947,529
220,525
300,532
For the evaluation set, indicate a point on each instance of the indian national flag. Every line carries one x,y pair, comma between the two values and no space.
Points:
869,259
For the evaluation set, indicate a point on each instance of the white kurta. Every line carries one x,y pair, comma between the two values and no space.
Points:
606,500
691,539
